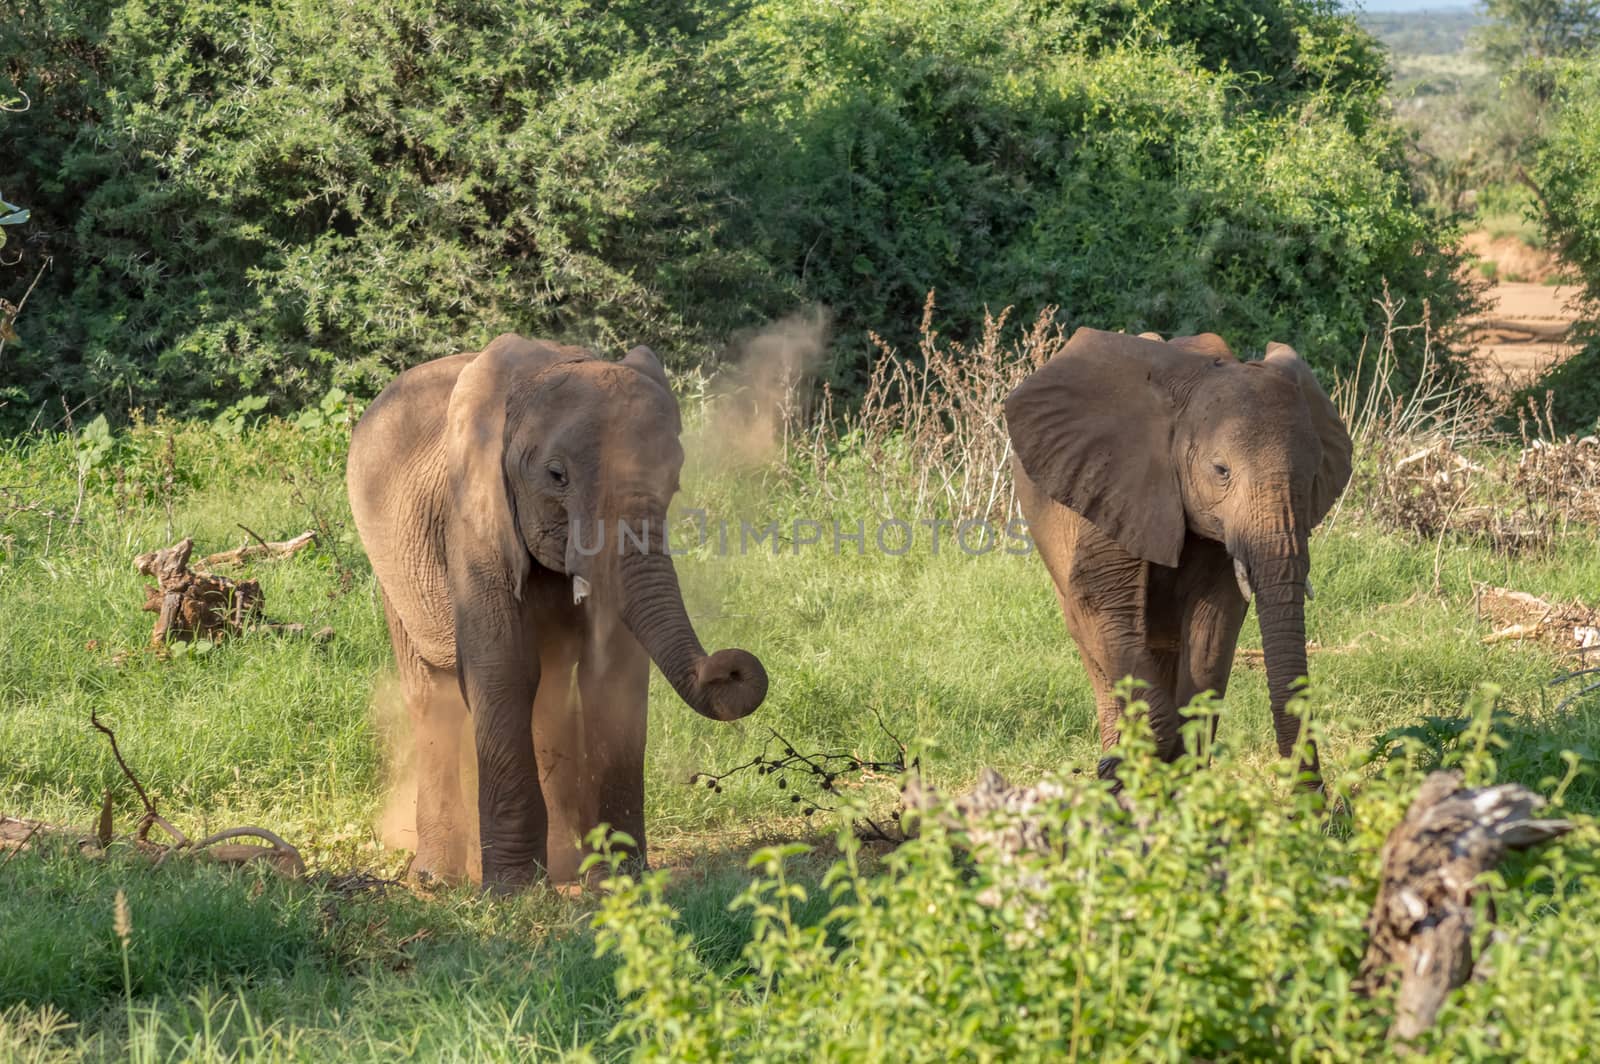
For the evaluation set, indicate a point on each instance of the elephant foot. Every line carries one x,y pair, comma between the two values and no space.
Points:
435,866
433,876
1107,770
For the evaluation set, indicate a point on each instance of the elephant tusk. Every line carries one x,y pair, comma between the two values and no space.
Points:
1241,575
580,590
1309,593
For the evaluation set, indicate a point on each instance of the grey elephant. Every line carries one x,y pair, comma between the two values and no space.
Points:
1164,484
513,502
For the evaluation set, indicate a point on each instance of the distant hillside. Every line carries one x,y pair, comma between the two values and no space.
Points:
1436,32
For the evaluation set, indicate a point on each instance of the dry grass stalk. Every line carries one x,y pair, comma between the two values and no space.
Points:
932,424
1428,461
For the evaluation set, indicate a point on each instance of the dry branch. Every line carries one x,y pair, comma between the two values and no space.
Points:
1421,924
278,855
259,549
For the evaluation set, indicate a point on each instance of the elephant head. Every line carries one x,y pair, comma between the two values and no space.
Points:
1151,441
566,462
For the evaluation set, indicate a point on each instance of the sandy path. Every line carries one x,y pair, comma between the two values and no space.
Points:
1510,357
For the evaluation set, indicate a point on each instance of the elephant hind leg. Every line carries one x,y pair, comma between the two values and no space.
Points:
446,824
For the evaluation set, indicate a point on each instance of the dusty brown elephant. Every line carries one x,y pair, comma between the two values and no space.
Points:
1163,484
514,504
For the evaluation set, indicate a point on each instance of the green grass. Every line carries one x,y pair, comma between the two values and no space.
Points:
966,655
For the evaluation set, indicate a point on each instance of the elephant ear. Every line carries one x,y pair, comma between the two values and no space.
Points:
1334,471
1209,344
1093,429
484,544
645,361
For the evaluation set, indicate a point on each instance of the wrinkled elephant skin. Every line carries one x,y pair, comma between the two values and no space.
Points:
1164,483
514,502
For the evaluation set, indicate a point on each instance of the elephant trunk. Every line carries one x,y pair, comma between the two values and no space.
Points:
1277,568
726,685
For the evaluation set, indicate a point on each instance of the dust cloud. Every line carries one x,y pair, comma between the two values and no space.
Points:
763,393
396,824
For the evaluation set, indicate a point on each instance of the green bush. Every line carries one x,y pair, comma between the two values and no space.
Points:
271,197
1125,162
1203,918
278,198
1567,171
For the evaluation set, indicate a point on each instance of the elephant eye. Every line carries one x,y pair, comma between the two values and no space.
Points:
557,474
1223,472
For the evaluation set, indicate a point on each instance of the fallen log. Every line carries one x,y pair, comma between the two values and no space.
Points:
1421,924
1546,330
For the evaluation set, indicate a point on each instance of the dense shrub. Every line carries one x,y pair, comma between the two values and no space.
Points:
261,198
1203,918
1567,171
276,197
1121,161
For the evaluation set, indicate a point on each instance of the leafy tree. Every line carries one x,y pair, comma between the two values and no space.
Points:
1566,170
1074,153
1524,32
272,198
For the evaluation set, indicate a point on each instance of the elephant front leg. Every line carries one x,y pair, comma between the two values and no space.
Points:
1113,647
559,731
1212,618
614,676
512,826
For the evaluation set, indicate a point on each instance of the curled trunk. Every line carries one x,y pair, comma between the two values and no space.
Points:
726,685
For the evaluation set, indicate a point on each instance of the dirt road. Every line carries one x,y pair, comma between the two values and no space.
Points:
1524,333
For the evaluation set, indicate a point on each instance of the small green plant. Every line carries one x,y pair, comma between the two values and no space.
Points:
336,408
1198,915
93,444
232,422
10,214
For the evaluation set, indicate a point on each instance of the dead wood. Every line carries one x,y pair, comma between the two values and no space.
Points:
1516,615
197,604
278,855
1421,924
1523,327
260,549
189,604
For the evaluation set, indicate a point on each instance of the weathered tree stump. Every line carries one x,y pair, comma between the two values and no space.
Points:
1421,924
190,604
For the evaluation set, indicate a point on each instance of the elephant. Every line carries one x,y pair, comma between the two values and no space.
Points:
513,503
1164,484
